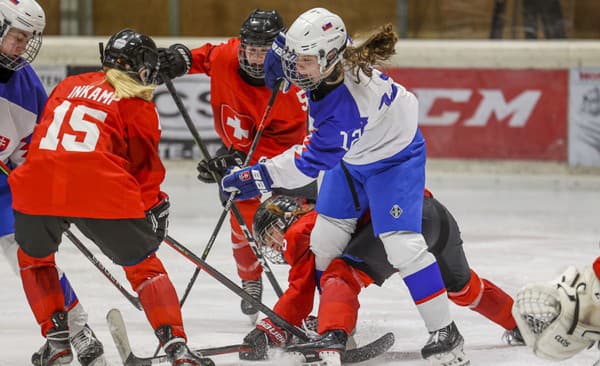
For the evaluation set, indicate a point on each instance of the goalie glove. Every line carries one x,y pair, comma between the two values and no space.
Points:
560,319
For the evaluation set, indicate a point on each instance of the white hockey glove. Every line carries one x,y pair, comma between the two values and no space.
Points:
560,319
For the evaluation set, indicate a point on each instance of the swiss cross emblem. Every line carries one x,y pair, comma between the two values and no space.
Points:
236,126
396,211
4,141
244,176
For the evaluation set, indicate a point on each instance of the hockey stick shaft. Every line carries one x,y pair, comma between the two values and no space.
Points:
90,256
235,288
229,205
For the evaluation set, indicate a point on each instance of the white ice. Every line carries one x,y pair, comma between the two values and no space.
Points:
524,225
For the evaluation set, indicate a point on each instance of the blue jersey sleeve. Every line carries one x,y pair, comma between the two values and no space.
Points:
337,126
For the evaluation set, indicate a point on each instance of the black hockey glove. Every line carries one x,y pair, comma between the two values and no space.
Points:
158,216
175,61
219,165
265,333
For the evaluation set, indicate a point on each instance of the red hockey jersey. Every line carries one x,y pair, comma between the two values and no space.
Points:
238,107
92,155
296,303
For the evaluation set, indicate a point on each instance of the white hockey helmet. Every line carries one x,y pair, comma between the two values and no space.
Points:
317,32
27,16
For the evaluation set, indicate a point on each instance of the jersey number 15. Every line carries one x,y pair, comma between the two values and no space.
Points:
77,123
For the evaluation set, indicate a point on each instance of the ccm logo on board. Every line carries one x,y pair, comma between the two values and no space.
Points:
459,106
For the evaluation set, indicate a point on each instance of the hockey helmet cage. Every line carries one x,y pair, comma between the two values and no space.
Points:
132,52
258,31
27,16
317,32
272,219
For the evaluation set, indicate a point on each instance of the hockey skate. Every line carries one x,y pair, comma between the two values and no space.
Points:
513,337
445,347
177,351
57,349
254,289
328,349
90,351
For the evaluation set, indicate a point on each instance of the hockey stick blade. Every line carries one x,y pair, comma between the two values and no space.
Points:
416,355
369,350
117,328
355,355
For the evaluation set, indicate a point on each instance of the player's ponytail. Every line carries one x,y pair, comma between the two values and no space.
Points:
127,86
376,49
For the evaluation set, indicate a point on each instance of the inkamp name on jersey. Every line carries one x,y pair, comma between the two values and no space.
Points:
94,93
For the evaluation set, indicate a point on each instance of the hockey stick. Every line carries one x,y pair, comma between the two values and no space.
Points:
229,204
90,256
235,288
118,330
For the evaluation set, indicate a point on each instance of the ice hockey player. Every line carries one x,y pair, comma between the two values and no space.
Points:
366,140
93,162
561,318
283,226
238,97
22,98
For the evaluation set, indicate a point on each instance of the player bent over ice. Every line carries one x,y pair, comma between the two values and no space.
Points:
282,228
93,162
22,98
366,139
561,318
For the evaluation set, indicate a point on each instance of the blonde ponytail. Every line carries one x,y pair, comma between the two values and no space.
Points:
128,87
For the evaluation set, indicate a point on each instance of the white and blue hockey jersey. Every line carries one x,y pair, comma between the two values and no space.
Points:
353,125
22,98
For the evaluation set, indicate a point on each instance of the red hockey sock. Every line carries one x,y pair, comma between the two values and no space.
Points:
157,294
248,267
42,287
338,307
487,299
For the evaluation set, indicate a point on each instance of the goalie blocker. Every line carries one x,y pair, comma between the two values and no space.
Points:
561,318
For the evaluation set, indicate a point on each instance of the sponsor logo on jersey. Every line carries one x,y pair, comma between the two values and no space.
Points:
396,211
4,141
245,176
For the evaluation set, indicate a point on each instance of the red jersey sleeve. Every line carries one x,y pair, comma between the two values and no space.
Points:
297,301
202,58
142,133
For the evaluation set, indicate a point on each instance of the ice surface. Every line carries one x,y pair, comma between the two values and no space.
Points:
518,227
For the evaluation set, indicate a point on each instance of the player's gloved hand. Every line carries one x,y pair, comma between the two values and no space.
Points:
274,77
174,61
158,216
265,333
247,182
219,165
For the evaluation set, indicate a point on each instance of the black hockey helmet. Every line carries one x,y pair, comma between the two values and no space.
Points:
133,52
272,219
258,30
